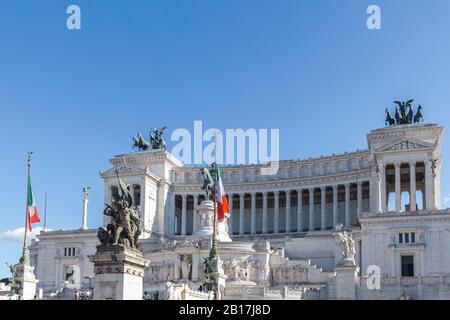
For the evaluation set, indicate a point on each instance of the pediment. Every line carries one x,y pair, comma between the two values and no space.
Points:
125,170
406,144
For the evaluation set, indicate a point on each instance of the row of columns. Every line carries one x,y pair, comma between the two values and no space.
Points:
428,188
276,209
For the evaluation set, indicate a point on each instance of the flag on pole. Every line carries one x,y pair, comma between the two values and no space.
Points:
32,212
222,201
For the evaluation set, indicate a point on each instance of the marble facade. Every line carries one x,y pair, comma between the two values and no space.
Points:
285,231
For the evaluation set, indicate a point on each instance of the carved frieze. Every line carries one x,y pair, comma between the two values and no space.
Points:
405,145
286,274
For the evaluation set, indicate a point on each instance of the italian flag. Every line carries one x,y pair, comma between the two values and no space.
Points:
222,201
32,212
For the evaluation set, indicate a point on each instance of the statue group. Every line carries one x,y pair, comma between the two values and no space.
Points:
12,282
404,114
348,249
156,140
209,181
125,227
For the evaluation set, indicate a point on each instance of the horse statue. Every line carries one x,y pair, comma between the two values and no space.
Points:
398,117
156,138
410,114
140,143
126,225
418,117
389,119
208,181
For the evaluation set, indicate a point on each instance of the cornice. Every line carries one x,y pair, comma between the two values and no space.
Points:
420,216
291,184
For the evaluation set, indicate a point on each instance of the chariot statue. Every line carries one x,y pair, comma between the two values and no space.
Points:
404,114
156,139
125,227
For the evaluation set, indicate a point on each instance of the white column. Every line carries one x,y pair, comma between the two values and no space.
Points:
347,204
359,198
323,208
335,205
253,214
194,214
299,210
398,199
172,216
429,186
241,213
183,214
412,186
288,211
276,210
373,192
382,193
231,217
85,206
311,209
264,214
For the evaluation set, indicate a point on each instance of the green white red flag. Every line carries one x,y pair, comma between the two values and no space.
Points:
32,212
222,200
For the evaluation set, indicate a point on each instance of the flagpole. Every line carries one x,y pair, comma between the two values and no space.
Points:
25,260
215,186
213,258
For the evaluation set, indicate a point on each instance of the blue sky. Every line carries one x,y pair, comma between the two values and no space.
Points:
310,68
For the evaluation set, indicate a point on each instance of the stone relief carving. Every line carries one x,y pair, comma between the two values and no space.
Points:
108,289
317,169
201,274
173,292
236,270
186,264
244,270
160,272
289,274
347,245
296,170
206,219
191,243
422,237
187,177
354,163
392,237
329,168
405,145
261,271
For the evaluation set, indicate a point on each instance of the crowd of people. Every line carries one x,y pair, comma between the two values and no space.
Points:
84,294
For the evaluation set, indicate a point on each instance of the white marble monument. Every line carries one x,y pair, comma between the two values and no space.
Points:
284,245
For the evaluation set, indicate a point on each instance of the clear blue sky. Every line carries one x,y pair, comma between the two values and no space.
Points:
310,68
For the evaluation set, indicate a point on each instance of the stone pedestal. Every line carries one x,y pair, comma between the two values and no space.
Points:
205,223
219,277
119,273
27,280
346,281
